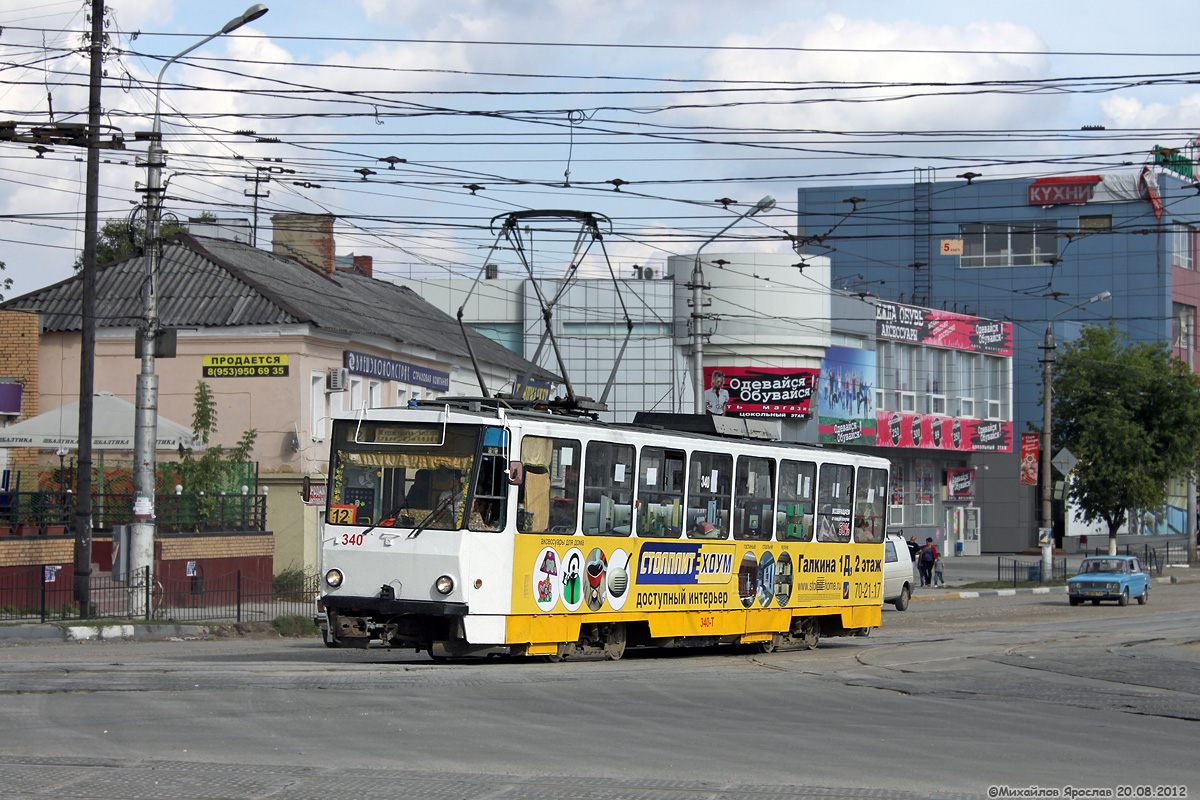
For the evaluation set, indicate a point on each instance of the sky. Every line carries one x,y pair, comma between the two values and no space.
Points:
665,118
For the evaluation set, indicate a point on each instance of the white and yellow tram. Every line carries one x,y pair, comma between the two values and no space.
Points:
472,530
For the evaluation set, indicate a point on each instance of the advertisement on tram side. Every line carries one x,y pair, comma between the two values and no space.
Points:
567,574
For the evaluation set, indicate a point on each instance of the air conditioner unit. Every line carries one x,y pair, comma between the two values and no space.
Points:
337,379
648,273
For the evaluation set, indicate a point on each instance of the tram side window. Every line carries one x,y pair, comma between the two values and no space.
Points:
491,485
870,505
549,497
796,511
835,495
709,492
660,493
753,497
608,489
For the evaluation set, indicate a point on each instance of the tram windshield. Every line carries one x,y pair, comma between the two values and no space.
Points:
415,475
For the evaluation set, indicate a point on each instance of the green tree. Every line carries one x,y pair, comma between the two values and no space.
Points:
1130,412
213,470
121,238
6,283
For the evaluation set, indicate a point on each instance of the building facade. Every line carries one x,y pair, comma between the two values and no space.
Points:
1029,252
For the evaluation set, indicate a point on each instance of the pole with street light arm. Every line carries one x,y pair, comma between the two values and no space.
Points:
697,286
141,534
1047,400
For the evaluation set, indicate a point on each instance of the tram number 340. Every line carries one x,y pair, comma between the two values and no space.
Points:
355,539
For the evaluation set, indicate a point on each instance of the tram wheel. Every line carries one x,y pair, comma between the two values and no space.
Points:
614,641
768,646
809,633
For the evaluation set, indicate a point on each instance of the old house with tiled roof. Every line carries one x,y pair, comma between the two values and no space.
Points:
264,329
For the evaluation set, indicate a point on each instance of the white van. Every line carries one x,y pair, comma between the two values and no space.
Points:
897,572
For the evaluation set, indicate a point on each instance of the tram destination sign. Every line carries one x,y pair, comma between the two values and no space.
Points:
246,366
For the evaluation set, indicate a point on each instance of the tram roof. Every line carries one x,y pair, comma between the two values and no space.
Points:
690,427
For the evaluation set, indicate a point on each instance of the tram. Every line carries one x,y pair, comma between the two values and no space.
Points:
472,529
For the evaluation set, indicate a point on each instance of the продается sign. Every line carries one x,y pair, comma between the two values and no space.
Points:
245,366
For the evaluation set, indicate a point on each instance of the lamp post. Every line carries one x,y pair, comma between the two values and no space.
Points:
141,533
1047,390
765,204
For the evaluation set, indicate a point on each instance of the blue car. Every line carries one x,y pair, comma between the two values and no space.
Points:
1109,578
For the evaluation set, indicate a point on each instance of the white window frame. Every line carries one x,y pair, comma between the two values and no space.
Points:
374,393
318,401
998,236
1184,245
356,392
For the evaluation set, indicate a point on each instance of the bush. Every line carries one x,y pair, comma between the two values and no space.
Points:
295,625
292,583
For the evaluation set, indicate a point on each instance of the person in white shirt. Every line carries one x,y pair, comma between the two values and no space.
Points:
717,395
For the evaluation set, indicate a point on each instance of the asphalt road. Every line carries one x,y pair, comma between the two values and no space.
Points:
945,700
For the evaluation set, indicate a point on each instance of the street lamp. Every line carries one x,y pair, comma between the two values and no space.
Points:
765,204
1047,389
141,533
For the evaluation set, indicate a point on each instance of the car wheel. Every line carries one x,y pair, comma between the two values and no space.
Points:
1073,601
901,603
1145,596
1123,600
1095,602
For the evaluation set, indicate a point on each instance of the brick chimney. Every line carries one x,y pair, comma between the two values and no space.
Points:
308,238
364,265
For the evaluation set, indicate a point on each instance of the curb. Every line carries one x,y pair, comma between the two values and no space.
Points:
88,633
991,593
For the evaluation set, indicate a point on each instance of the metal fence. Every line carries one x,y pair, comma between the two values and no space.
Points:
1017,571
30,513
1153,557
46,594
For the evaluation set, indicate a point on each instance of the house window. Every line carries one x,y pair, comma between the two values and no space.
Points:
1183,326
1184,244
374,393
1008,245
356,392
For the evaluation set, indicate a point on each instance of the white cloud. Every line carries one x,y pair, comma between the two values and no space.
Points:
941,110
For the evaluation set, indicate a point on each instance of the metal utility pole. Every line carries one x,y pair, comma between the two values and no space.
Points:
82,523
141,532
261,175
1047,399
697,287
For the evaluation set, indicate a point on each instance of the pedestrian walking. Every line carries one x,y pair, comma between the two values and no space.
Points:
925,562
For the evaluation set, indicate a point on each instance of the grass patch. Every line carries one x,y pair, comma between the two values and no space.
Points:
1011,585
293,625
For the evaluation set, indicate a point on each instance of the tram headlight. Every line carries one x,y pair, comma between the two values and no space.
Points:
444,584
334,578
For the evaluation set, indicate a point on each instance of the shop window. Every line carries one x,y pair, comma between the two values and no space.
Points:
710,487
753,498
923,493
896,494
